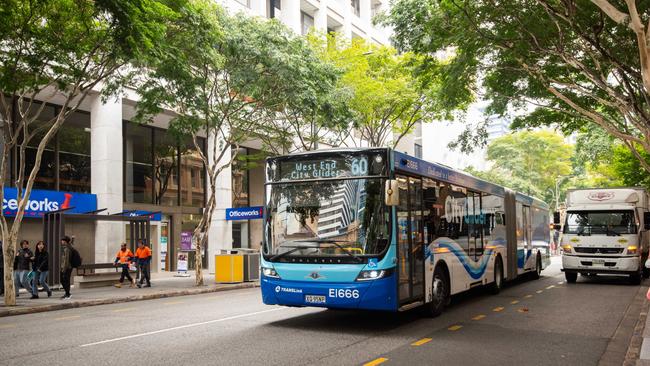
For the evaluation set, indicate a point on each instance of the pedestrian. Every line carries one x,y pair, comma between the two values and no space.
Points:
2,270
41,269
124,258
22,267
67,253
143,260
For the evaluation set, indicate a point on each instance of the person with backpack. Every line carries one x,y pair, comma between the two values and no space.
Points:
22,267
70,259
41,269
124,258
143,260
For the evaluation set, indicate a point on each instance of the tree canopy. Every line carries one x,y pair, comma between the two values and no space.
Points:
573,64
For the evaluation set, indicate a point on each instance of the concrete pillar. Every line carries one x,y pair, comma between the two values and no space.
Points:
220,232
365,13
320,17
106,173
291,15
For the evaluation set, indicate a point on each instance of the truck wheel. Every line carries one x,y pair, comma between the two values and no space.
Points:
497,285
635,279
571,277
440,293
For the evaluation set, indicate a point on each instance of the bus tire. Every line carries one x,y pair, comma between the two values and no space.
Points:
571,277
538,268
497,285
440,292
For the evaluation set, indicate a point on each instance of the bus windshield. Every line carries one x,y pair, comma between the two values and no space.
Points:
345,218
611,223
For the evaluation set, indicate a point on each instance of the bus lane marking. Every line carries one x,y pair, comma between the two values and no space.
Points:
513,302
539,291
528,296
139,335
68,317
498,308
421,342
478,317
376,361
454,328
550,287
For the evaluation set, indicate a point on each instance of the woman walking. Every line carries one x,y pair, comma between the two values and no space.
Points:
41,270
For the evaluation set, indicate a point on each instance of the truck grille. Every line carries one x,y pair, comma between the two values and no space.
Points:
599,250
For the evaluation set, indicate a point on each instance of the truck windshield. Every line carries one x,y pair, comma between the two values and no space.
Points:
611,223
341,218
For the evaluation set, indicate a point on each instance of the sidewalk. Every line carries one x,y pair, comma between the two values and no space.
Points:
163,285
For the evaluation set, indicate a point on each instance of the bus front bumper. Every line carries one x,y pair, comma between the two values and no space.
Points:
587,264
372,295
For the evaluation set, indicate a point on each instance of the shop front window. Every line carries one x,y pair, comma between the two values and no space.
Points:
165,154
192,175
46,176
240,198
139,169
74,153
188,224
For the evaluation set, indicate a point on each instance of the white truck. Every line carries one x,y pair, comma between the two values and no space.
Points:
605,231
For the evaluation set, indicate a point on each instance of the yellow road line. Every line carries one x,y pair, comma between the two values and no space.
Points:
123,309
421,342
523,310
539,291
376,361
7,326
550,287
68,317
528,296
498,308
514,302
454,327
478,317
174,302
561,283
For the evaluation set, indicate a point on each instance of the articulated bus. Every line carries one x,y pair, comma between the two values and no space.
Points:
377,229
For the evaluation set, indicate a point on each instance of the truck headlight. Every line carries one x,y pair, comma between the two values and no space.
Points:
270,272
373,274
567,248
632,249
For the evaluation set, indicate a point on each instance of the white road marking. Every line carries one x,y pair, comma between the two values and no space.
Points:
179,327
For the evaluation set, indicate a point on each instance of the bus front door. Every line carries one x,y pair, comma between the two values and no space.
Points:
410,240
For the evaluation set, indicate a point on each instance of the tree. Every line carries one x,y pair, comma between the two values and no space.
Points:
531,162
386,99
229,78
60,50
579,63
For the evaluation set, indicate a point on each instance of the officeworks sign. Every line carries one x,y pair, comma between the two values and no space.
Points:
244,213
42,201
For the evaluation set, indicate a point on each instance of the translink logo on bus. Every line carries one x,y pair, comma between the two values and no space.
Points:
332,292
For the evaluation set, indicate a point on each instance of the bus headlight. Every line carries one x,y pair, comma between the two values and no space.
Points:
270,272
373,274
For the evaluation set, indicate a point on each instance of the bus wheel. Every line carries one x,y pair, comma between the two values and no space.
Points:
538,268
440,293
498,277
571,277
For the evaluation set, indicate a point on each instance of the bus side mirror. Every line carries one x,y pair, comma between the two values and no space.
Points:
391,193
646,220
556,218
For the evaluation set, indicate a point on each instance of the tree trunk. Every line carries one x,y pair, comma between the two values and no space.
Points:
198,257
9,252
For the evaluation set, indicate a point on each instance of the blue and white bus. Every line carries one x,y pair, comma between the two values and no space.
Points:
377,229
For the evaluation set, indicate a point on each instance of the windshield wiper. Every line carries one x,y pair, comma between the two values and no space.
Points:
293,249
336,243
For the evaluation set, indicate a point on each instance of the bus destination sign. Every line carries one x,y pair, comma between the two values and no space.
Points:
325,168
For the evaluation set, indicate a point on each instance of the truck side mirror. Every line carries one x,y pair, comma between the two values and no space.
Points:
391,193
556,218
646,220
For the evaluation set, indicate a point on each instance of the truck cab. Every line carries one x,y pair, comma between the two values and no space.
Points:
605,232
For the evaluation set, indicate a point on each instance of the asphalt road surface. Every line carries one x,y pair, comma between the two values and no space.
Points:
533,322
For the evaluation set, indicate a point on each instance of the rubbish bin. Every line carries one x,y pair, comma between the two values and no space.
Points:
251,263
229,267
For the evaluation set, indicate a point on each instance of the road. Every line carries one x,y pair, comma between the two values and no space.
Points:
534,322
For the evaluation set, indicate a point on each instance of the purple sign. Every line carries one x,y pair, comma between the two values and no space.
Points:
186,240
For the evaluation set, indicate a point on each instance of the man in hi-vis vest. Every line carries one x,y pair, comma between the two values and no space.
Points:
123,259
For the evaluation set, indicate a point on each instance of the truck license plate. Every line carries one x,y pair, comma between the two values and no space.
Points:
598,261
315,299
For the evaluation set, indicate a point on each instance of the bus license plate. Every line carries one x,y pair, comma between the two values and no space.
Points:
315,299
598,261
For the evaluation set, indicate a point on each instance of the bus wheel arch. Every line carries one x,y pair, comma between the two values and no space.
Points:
441,288
538,266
